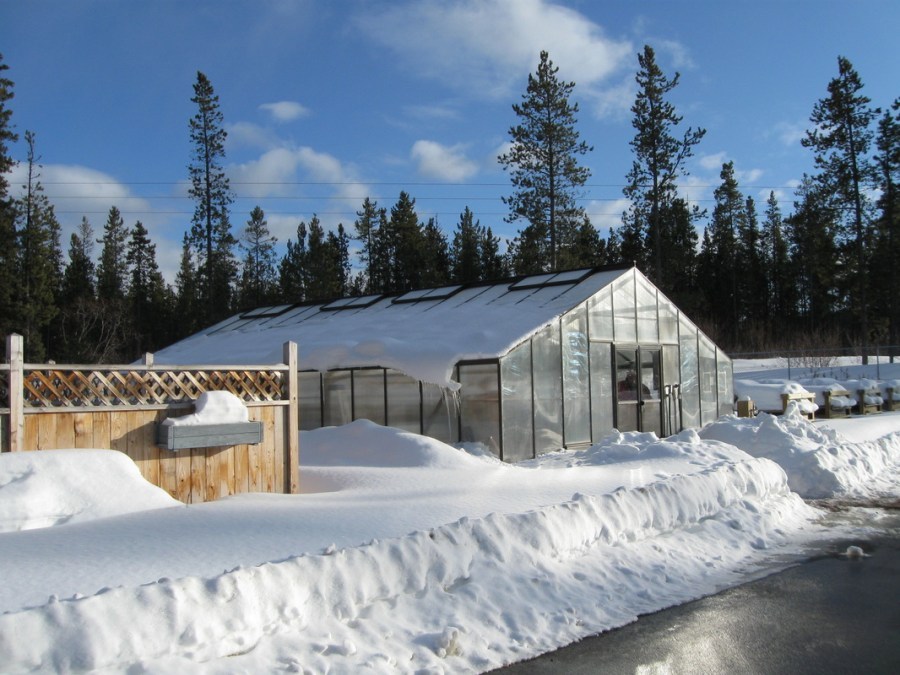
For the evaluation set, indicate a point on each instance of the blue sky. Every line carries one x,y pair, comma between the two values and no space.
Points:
328,102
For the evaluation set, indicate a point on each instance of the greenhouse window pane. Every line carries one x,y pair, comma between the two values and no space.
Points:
479,405
690,375
709,407
600,315
602,417
668,320
440,413
338,401
725,383
576,378
547,360
403,402
647,318
368,395
310,400
623,309
518,424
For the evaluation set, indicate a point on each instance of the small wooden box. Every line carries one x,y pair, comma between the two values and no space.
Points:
182,436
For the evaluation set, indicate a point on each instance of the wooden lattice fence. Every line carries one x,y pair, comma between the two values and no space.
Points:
54,406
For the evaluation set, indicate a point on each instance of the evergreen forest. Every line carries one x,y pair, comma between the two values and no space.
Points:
752,276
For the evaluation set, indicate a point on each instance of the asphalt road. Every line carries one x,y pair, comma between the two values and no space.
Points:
830,614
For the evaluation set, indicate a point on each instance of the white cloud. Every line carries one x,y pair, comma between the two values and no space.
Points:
285,111
606,214
713,162
488,46
447,163
790,134
250,135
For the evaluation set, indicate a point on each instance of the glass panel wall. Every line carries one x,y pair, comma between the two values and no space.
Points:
600,315
547,369
725,383
709,389
668,320
627,390
336,385
690,375
368,395
602,401
403,402
310,399
518,427
647,320
479,405
576,377
623,309
440,413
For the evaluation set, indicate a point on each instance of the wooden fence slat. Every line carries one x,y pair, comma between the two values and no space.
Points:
83,424
100,425
198,475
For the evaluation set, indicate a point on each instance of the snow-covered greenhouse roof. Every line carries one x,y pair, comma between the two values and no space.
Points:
422,333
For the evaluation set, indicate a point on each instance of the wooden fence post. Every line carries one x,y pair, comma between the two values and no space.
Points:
292,470
14,352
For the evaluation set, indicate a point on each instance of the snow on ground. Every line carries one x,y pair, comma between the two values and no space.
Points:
403,554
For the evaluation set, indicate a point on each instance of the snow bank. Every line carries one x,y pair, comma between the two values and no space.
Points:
466,596
819,462
53,487
820,385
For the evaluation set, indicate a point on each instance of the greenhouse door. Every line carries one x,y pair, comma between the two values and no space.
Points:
638,387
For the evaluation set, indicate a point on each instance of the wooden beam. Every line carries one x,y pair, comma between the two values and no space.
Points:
292,433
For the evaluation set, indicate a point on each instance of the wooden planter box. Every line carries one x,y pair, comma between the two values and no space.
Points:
183,436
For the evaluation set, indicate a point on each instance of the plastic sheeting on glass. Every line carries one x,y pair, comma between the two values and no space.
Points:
310,399
518,425
668,320
600,315
440,413
479,405
690,375
623,309
336,387
709,388
403,402
602,413
547,373
647,319
368,395
576,377
725,383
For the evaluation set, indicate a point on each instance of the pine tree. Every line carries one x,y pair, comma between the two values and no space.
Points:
812,230
339,242
78,303
9,279
659,161
258,279
146,293
720,257
405,243
888,239
291,269
780,297
840,139
113,267
38,261
465,251
370,232
751,283
210,226
435,261
493,265
543,164
187,297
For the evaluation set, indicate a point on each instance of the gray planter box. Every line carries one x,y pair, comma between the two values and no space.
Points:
180,437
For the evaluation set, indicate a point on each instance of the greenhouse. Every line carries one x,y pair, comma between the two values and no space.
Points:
524,366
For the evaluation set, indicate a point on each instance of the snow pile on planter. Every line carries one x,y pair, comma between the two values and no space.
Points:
767,394
213,407
819,462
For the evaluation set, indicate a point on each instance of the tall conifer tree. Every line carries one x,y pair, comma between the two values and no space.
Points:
840,138
543,164
210,189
